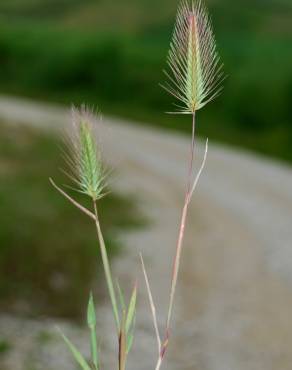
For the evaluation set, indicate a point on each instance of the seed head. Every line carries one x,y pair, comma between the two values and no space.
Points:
195,72
84,156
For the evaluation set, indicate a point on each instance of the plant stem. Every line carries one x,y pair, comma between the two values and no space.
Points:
152,306
176,262
94,347
158,364
122,344
73,201
107,270
191,153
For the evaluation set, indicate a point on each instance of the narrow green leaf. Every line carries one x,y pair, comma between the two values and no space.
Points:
130,335
91,317
131,309
77,355
121,297
91,321
130,340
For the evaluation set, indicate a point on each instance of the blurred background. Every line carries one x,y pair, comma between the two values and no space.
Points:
111,54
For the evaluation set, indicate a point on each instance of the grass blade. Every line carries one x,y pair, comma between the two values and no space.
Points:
91,321
131,309
152,306
121,296
76,354
130,335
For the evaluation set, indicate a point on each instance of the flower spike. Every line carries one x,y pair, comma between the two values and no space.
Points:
195,72
84,157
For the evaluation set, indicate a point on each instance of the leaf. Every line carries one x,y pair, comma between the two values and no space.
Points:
91,321
77,355
121,297
91,317
131,309
130,336
130,340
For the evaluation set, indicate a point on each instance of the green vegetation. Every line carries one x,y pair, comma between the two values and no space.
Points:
109,52
4,347
48,249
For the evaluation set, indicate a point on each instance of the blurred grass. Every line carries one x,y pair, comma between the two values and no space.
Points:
112,54
48,250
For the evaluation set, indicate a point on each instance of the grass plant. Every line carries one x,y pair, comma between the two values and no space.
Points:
86,170
194,79
46,231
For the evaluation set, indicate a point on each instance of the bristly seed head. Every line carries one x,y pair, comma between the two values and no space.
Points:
84,158
195,71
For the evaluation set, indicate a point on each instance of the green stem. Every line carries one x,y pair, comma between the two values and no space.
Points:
122,344
107,270
94,347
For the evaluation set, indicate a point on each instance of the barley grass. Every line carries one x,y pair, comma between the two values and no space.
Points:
195,72
194,78
87,172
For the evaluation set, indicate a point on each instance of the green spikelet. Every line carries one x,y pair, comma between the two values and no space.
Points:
195,72
84,157
90,169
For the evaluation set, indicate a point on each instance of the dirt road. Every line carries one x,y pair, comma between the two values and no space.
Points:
234,302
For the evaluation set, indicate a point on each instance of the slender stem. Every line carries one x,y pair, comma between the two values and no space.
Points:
94,347
107,270
122,344
104,256
191,161
152,306
176,262
73,201
195,183
158,364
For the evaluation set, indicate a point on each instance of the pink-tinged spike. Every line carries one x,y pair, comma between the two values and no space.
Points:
195,73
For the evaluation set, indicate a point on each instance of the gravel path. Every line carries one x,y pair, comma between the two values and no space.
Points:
234,301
